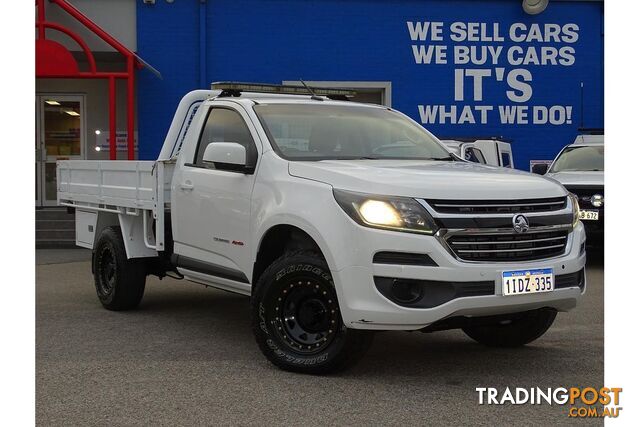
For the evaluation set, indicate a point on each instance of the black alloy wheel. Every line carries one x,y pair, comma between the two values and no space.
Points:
296,317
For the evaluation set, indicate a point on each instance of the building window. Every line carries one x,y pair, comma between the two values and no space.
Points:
370,92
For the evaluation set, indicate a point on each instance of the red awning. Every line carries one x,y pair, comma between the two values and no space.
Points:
53,60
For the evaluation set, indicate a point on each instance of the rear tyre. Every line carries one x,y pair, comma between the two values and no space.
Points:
119,281
296,318
522,329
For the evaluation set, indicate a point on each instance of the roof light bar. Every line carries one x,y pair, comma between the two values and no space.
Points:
234,89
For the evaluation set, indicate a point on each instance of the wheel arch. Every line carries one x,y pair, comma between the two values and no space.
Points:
131,229
281,237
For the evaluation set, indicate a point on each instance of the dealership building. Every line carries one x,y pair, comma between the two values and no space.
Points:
506,69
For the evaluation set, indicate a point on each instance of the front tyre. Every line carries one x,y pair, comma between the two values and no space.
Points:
119,281
296,318
521,329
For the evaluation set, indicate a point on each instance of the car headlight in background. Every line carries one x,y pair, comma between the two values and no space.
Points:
597,200
386,212
575,208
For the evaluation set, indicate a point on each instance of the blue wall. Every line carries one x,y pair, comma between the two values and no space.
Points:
367,40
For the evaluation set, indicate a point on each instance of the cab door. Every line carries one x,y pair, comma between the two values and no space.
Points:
211,208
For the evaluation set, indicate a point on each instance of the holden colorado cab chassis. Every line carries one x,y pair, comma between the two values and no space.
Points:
336,218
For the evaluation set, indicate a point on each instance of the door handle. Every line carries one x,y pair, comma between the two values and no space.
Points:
186,186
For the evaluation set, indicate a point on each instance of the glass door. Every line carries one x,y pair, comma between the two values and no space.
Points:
60,135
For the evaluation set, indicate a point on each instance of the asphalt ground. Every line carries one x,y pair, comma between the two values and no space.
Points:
187,357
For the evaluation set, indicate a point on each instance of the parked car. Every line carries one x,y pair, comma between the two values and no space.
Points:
580,168
484,151
303,203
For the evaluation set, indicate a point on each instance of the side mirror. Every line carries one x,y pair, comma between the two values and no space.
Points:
229,156
540,168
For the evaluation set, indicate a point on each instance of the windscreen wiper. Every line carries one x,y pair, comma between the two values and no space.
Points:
443,159
358,158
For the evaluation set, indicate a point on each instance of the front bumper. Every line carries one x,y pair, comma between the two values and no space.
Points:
364,307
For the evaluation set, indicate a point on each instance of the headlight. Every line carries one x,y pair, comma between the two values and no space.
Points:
575,208
597,200
386,212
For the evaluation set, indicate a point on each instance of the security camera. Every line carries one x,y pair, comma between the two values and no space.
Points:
534,7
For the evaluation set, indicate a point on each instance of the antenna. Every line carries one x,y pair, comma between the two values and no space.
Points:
313,95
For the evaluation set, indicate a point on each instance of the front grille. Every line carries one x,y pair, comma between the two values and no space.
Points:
508,247
498,206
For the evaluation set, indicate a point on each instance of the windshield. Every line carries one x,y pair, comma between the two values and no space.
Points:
584,158
323,132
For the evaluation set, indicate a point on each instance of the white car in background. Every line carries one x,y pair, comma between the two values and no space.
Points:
491,152
579,167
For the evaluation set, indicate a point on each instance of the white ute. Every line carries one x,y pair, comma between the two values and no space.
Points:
337,218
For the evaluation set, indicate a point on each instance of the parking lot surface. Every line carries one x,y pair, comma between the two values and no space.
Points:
187,357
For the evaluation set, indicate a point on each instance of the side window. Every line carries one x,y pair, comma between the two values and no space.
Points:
479,156
226,125
473,154
470,155
506,159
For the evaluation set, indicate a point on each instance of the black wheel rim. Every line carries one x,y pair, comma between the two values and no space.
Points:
307,317
106,271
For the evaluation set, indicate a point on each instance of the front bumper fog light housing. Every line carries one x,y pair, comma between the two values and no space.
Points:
407,291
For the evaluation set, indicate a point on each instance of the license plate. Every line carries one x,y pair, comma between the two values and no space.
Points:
589,215
527,281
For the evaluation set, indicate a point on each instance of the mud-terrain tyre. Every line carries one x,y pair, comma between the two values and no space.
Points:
522,329
296,318
119,281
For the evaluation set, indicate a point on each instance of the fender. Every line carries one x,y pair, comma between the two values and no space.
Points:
302,224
